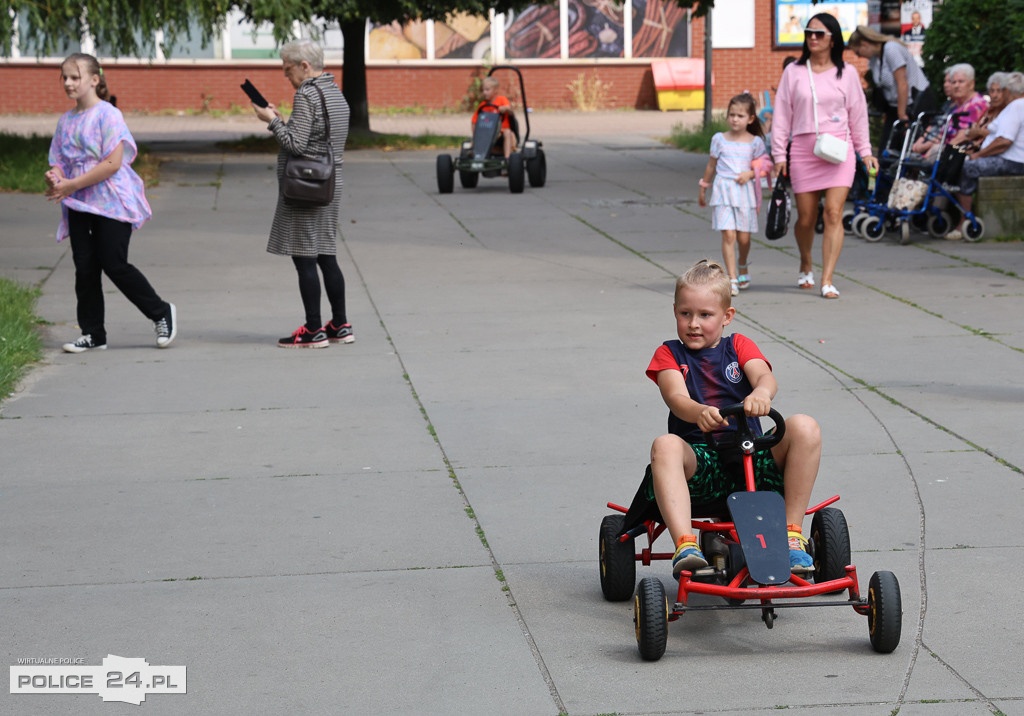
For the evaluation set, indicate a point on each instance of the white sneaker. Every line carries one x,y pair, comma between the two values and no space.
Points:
166,328
83,344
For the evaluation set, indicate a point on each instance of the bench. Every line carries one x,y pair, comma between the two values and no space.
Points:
1000,204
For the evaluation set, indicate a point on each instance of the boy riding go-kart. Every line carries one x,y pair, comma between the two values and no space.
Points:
493,151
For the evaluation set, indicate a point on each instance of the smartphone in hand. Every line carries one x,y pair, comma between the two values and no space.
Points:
254,94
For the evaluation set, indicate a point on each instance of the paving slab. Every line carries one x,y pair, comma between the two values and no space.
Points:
408,524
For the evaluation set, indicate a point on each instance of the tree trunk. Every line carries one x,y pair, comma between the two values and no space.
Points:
353,75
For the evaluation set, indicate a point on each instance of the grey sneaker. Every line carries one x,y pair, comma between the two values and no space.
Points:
339,334
83,344
166,328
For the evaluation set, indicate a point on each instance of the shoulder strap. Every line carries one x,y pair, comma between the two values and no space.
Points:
327,117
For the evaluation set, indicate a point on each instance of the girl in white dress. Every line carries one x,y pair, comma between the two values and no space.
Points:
734,198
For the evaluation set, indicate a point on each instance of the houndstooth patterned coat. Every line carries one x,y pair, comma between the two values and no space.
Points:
309,231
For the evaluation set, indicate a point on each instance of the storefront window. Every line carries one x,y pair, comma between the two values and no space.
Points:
659,29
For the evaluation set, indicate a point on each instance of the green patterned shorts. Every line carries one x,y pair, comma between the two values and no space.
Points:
717,478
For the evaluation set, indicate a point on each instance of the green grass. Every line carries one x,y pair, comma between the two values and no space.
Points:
20,344
24,161
697,139
264,144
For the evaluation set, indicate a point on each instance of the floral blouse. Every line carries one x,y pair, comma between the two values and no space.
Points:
81,141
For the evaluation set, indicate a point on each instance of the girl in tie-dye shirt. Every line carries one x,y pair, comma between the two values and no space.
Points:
102,200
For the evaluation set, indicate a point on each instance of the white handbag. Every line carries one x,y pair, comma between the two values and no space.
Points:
827,146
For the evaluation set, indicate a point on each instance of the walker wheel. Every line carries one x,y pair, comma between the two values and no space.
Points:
974,230
873,229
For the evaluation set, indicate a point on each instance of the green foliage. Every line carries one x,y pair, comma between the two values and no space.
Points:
984,33
127,26
23,162
697,139
20,344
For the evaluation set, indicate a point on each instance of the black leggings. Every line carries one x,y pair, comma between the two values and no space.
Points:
100,245
309,288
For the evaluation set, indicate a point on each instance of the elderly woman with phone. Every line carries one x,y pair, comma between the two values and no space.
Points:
309,233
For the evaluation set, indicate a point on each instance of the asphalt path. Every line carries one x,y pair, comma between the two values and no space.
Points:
408,524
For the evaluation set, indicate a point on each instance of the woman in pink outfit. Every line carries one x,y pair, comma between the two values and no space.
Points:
842,112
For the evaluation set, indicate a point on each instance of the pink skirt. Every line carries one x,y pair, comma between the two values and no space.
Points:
809,173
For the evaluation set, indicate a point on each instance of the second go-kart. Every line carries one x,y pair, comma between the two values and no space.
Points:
745,542
483,154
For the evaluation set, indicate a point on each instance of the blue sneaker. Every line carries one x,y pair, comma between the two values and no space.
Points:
800,562
688,556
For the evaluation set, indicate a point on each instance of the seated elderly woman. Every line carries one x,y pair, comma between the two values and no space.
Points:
964,100
999,96
1001,152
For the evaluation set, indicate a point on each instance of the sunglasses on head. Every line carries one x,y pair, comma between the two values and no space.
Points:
816,34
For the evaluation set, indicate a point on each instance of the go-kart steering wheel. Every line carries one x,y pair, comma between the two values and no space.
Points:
742,435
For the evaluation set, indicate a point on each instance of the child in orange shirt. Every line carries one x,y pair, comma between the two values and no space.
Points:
501,105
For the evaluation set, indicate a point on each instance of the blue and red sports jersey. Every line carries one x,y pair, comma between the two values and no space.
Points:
713,376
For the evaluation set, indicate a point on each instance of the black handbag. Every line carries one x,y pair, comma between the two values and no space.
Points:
309,181
779,207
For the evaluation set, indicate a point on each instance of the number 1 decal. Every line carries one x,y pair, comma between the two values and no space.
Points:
763,545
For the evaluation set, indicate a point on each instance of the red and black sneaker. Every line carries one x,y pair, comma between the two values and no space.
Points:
305,338
339,334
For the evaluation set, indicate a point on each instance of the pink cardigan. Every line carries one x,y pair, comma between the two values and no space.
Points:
841,98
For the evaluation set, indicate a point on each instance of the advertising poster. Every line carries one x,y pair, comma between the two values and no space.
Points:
459,37
791,17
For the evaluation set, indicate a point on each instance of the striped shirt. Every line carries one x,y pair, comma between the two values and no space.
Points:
310,231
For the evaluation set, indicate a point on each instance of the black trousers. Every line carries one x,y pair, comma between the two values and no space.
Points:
100,245
309,288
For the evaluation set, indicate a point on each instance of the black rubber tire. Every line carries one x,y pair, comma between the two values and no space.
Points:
873,229
445,174
885,612
469,180
939,224
831,539
617,561
736,563
537,169
650,618
516,173
973,231
848,221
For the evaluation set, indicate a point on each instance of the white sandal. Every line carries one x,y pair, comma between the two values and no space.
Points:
806,280
829,291
734,288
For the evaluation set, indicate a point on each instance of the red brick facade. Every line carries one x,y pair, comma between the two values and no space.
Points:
30,87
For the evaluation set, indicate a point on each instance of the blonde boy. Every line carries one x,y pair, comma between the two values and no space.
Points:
489,90
697,375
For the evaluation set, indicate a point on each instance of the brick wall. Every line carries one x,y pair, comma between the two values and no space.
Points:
31,87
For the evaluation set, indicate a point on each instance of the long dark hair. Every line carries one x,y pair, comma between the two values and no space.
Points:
747,102
836,53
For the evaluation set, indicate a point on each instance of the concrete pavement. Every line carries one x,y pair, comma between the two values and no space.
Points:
408,524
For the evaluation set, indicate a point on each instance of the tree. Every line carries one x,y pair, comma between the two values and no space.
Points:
128,26
984,33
